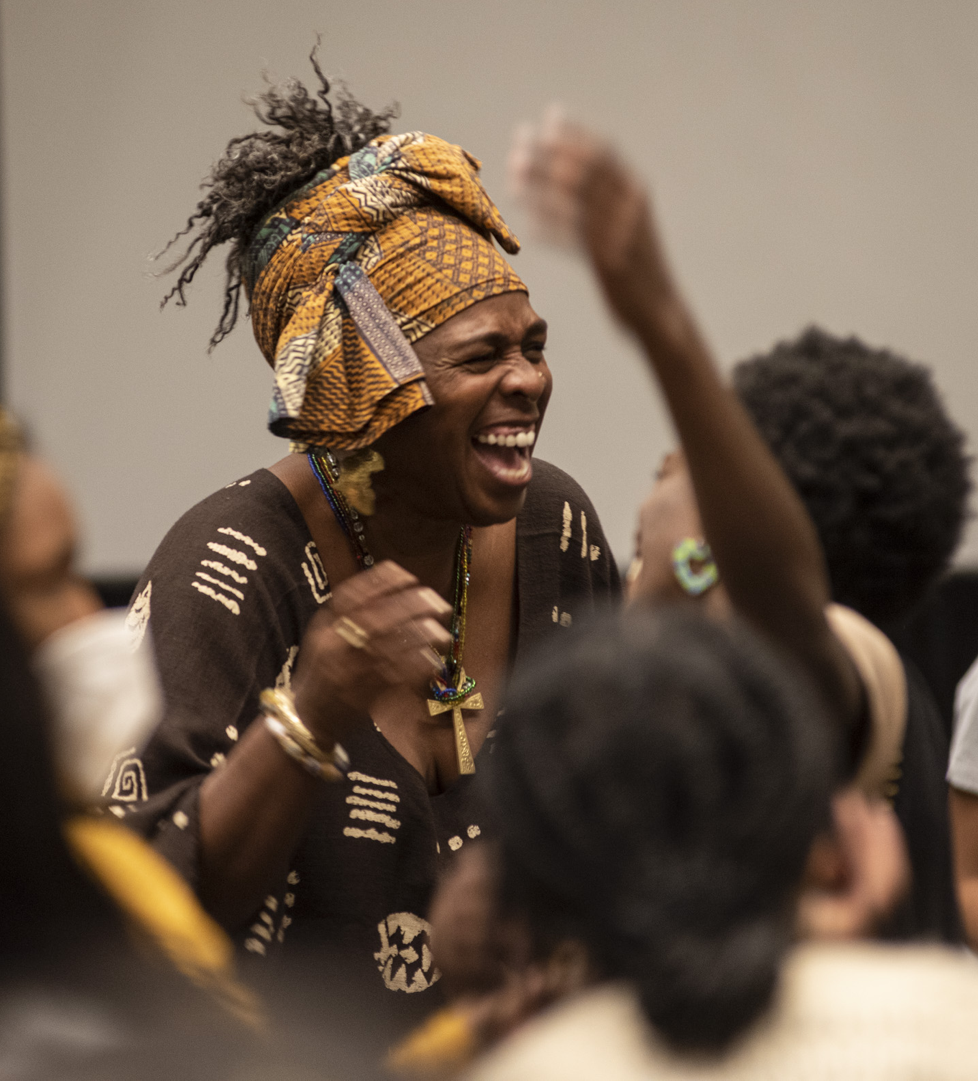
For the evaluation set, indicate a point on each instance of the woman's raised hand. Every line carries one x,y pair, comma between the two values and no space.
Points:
382,629
579,193
765,545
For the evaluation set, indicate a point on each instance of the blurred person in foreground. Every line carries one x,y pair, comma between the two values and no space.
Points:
109,967
880,469
723,531
97,934
673,884
867,443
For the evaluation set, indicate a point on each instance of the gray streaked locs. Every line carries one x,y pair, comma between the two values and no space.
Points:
306,133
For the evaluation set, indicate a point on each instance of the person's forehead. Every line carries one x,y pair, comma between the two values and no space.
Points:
509,314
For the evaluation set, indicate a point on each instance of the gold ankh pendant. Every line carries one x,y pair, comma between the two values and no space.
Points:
466,761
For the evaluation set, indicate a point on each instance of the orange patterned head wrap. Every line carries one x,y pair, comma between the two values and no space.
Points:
369,256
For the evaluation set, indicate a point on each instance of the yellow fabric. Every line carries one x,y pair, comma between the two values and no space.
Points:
443,1044
158,902
881,671
10,449
411,213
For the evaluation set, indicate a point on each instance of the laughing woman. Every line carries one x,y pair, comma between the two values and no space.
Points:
346,615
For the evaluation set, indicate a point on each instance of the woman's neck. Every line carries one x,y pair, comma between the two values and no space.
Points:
425,546
398,530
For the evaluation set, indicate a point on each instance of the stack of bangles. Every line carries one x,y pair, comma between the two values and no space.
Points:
297,741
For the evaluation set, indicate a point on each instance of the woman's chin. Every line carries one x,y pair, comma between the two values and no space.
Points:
497,486
493,507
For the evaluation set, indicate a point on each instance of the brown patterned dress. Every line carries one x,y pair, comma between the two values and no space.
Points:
227,597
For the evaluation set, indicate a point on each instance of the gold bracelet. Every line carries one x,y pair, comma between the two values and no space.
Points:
279,706
325,771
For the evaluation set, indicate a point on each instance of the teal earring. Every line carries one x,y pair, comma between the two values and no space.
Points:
693,566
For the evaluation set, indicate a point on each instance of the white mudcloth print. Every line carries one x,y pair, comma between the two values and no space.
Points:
215,581
373,803
360,880
138,618
404,957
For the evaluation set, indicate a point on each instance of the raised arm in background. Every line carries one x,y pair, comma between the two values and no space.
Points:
761,536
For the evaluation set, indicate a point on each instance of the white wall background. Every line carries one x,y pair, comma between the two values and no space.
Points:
812,160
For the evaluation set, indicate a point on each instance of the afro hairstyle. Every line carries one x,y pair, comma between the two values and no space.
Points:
863,436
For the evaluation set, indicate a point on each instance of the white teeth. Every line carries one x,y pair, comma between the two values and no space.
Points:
522,439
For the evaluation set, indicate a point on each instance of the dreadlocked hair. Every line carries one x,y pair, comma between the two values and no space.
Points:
258,171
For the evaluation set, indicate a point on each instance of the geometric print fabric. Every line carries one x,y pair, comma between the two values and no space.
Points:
369,256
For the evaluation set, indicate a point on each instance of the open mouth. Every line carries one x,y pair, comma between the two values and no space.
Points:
505,449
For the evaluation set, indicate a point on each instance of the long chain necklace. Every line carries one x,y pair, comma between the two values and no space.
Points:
452,689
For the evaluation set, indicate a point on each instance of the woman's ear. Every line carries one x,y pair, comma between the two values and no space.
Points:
855,874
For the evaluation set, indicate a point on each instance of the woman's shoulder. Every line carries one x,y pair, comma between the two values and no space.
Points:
258,500
600,1032
557,507
245,545
253,517
551,486
564,562
882,1010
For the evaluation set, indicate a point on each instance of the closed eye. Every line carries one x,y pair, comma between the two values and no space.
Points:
482,363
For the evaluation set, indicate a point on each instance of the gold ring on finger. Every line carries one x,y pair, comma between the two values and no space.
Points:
351,633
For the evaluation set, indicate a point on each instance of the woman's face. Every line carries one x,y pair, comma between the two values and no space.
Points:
467,458
668,515
37,556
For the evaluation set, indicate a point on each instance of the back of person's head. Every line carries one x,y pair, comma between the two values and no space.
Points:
863,436
46,902
658,782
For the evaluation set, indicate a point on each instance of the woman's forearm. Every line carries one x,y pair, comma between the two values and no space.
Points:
760,532
758,527
253,810
761,535
762,538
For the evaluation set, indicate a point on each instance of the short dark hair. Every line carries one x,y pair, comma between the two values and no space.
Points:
864,437
257,172
656,784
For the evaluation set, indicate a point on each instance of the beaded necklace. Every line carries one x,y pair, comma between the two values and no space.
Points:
327,471
452,689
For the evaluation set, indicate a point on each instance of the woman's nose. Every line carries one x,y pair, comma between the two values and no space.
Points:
524,377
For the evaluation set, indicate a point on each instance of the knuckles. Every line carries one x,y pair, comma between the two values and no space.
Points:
404,622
